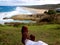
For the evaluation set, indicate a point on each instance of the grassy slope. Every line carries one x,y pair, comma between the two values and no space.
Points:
47,33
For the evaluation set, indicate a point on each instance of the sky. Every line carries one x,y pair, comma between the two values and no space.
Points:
27,2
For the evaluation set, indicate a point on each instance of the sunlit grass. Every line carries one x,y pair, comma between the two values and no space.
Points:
49,33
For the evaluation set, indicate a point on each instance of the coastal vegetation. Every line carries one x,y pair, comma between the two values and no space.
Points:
48,17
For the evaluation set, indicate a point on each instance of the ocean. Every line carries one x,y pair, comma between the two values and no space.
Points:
9,11
7,8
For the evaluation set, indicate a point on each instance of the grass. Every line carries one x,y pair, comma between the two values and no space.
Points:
49,33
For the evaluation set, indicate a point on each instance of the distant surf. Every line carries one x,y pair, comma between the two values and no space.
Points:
9,11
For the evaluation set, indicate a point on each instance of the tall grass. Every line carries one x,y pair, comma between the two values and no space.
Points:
49,33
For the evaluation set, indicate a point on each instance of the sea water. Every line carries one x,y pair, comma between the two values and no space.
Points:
9,11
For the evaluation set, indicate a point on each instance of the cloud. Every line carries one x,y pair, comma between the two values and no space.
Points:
27,2
11,2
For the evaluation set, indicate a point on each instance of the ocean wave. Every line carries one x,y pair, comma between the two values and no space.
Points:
8,11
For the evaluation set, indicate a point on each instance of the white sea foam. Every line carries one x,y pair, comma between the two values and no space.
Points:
18,10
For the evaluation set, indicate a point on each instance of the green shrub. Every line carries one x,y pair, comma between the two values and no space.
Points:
50,12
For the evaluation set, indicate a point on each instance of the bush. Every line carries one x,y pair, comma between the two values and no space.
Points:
45,12
51,12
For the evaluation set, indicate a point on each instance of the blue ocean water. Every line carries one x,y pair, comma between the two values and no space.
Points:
7,8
